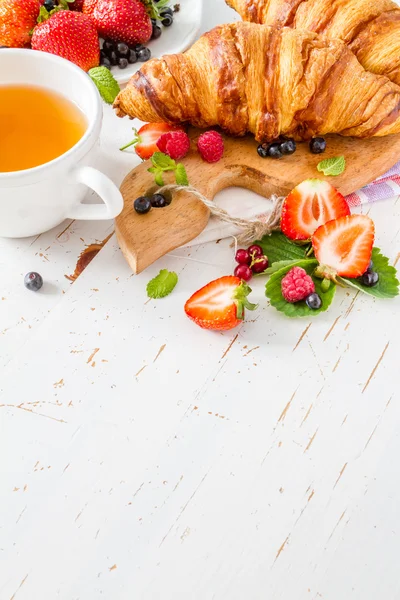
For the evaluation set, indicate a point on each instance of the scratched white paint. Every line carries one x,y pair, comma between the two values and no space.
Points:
142,457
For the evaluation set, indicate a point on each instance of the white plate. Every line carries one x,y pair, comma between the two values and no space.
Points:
176,38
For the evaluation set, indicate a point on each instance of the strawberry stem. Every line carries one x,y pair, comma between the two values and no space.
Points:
240,297
136,140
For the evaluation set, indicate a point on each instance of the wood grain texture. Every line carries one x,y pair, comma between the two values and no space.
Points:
145,238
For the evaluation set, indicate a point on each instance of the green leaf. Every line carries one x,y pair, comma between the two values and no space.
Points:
332,166
105,83
162,285
181,175
279,264
277,247
299,309
159,179
388,284
162,161
153,9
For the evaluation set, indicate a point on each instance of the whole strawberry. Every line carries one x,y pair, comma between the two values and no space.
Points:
70,35
17,19
89,6
121,20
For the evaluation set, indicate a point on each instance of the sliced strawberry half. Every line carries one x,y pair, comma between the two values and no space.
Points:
145,140
344,246
220,304
311,204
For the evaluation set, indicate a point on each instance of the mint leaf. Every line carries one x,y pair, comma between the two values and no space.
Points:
162,285
105,83
277,247
299,309
181,175
163,161
332,166
159,179
388,284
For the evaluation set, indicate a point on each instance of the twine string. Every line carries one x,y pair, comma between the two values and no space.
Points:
250,229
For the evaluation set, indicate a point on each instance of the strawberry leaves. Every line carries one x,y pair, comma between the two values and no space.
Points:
273,291
388,284
154,9
279,248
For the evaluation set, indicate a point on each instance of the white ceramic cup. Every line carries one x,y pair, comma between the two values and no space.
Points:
35,200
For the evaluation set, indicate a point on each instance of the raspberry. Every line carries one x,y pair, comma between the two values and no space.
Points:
176,144
297,285
211,146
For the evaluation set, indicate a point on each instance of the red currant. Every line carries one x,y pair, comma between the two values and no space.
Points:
255,251
260,264
243,257
243,272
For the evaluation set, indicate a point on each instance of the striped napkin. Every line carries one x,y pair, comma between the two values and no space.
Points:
247,205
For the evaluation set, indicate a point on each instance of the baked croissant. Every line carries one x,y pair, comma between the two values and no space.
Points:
371,28
254,78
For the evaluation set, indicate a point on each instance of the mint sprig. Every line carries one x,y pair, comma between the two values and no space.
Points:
162,285
273,291
332,166
105,83
388,284
163,163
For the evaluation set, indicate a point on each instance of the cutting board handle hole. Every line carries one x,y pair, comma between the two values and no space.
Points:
154,190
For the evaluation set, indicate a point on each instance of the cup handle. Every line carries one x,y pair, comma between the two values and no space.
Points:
105,188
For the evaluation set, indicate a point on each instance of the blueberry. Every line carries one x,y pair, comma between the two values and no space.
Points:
313,301
106,63
154,22
167,20
49,5
138,47
142,205
144,54
122,50
122,63
108,47
288,146
156,33
158,201
318,145
166,11
113,58
263,150
33,281
132,58
274,150
370,278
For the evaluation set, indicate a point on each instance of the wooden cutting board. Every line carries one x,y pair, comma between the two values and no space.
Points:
145,238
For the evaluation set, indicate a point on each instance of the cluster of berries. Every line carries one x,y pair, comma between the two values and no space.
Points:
250,262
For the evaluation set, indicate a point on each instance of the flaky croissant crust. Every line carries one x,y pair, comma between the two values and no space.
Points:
254,78
371,28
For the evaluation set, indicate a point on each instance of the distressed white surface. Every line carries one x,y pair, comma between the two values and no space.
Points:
142,457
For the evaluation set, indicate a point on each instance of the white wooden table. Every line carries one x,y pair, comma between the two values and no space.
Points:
145,458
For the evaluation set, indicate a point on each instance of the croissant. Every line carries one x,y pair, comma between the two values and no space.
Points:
371,28
254,78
